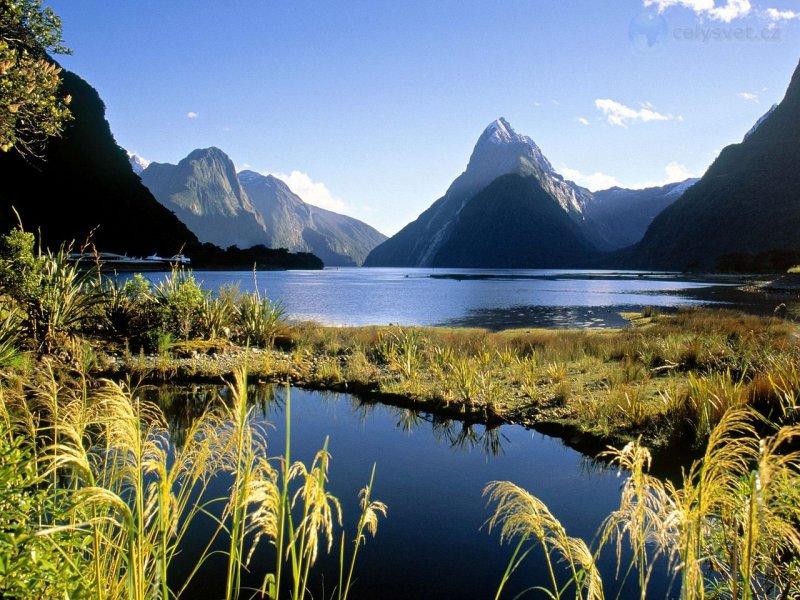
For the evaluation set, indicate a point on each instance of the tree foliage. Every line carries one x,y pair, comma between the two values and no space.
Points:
31,110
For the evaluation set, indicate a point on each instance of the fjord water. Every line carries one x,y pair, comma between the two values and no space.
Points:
495,299
431,474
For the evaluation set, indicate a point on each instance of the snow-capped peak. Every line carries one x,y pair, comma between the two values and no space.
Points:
138,164
501,132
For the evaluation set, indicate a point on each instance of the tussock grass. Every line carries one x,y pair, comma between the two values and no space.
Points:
729,530
521,516
97,497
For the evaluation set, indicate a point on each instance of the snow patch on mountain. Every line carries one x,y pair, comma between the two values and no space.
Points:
760,122
679,189
138,164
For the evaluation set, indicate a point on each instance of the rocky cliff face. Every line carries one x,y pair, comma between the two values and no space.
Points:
291,223
205,193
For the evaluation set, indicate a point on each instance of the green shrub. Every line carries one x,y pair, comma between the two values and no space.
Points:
132,311
215,319
31,565
17,264
56,298
258,319
180,299
10,337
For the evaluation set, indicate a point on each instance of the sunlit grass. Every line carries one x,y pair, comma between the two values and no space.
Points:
669,380
97,498
729,530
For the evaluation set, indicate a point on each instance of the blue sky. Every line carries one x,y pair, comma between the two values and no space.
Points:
372,108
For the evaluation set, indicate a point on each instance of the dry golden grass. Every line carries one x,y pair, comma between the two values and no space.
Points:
670,378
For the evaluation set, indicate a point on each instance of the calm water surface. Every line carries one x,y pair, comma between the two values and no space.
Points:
434,544
431,473
495,299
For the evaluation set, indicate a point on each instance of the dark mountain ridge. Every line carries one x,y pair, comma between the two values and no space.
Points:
83,184
747,203
502,226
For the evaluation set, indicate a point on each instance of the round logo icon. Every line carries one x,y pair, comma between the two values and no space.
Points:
648,32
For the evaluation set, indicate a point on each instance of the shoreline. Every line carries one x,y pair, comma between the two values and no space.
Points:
545,422
594,387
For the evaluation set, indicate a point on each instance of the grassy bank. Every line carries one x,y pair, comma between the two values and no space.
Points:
667,378
95,498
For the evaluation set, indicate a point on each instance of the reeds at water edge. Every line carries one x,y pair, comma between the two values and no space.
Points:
731,529
106,499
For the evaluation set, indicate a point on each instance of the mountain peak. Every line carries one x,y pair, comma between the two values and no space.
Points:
500,131
211,152
249,175
499,151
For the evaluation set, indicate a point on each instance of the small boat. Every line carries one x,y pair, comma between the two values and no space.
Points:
119,262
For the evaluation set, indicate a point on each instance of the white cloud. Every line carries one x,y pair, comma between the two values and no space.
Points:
313,192
777,16
619,115
678,172
726,11
191,115
673,172
595,181
583,121
748,97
